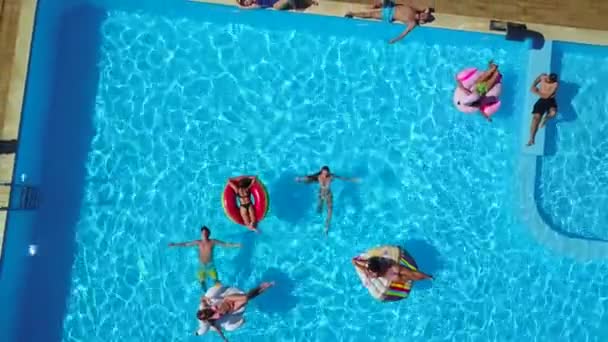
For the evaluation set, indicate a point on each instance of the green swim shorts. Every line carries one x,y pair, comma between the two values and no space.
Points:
207,271
481,88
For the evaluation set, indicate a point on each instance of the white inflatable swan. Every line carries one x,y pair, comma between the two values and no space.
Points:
228,322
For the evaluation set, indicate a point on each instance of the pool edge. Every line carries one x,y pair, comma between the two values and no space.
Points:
574,247
455,22
24,11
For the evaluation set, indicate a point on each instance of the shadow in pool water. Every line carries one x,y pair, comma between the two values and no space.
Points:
566,113
244,257
65,144
291,201
280,298
427,257
508,95
349,194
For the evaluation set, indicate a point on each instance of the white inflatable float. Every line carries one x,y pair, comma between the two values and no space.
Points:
228,322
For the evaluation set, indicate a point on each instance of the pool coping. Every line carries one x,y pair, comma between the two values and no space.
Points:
19,40
454,22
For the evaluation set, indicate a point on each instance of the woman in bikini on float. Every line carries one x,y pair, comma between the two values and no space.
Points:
242,188
230,304
324,178
376,267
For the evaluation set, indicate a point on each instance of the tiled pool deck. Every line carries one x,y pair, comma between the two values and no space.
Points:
16,26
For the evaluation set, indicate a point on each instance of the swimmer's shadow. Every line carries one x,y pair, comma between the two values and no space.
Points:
244,257
350,194
427,259
280,298
291,201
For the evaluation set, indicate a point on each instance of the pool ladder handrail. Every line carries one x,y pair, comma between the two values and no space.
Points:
29,197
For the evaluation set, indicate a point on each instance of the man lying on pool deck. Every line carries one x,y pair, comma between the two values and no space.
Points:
389,11
546,104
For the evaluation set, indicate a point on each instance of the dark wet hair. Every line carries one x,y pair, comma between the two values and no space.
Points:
377,265
315,176
205,314
428,20
429,11
241,2
244,182
205,231
553,77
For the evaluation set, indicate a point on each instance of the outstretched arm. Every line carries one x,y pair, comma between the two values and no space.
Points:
410,26
347,179
226,244
183,244
307,179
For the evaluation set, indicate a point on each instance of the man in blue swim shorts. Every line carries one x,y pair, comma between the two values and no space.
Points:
205,255
390,12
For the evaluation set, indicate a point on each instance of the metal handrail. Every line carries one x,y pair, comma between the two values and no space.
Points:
29,197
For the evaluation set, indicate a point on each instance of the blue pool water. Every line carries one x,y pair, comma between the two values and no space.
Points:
148,114
183,104
575,174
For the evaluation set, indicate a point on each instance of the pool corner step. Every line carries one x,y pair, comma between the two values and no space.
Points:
539,61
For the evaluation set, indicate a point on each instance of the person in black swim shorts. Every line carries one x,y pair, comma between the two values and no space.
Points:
545,86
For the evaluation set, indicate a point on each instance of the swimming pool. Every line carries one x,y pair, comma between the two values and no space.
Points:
177,103
575,173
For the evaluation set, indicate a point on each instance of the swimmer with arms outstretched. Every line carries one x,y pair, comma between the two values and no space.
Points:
205,255
230,304
324,178
376,267
390,12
